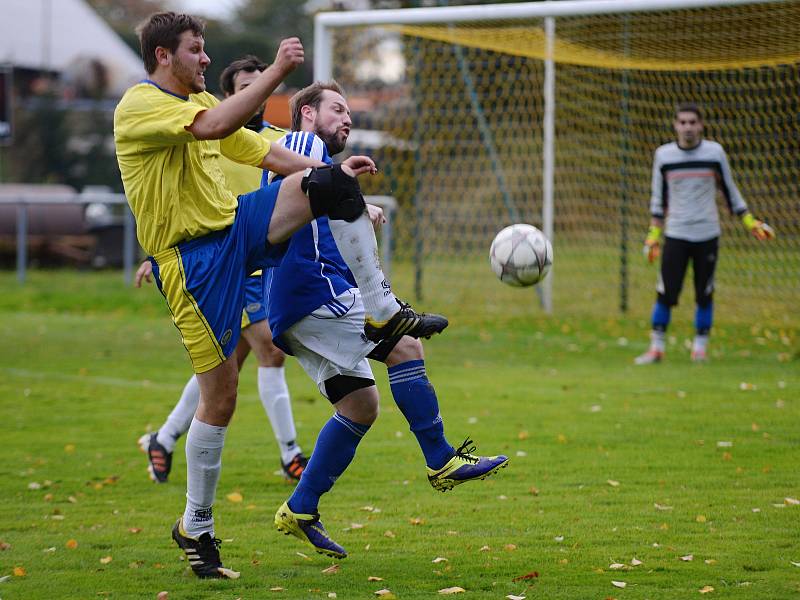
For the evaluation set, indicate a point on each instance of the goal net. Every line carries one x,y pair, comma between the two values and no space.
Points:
452,104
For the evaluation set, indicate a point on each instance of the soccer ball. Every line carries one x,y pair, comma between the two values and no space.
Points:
521,255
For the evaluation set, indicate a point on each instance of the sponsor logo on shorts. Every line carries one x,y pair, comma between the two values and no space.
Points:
253,307
226,337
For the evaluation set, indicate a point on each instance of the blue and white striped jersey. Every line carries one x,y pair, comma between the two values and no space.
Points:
684,190
312,272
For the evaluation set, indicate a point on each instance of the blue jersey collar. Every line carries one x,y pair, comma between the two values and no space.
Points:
153,83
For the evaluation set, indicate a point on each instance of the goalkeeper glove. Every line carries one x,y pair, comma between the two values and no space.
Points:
652,247
759,229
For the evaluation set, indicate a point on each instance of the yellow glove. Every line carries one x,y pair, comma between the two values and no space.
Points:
759,229
652,244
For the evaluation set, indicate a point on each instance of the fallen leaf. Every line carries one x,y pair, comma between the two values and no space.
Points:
357,526
619,584
613,483
793,501
303,556
710,561
234,497
559,538
510,547
416,521
370,509
162,596
50,549
687,558
19,572
700,518
332,569
69,448
439,559
277,588
484,549
229,573
562,439
636,562
5,578
135,530
563,561
513,597
706,589
34,485
332,595
4,546
373,578
106,559
385,594
724,444
796,564
662,506
523,435
389,534
71,544
531,575
616,566
533,491
452,590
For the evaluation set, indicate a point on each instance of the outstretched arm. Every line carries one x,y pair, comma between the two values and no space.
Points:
233,112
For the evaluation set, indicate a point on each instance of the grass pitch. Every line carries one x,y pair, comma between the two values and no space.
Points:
691,470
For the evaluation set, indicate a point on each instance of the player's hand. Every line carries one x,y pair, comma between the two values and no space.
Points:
145,271
359,165
376,215
652,244
760,230
290,55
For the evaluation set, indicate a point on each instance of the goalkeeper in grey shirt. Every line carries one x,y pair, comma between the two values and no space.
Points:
686,175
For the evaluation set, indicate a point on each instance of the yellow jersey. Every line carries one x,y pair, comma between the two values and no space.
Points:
173,182
243,178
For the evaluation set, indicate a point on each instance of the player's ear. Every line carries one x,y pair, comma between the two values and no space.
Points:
163,56
308,111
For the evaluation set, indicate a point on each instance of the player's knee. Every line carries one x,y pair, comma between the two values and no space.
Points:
406,349
334,193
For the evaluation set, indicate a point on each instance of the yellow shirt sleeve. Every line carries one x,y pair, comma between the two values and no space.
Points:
245,146
154,119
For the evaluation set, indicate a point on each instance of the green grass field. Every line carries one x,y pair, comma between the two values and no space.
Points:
609,462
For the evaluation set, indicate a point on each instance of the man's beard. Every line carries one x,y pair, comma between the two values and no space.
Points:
332,142
186,76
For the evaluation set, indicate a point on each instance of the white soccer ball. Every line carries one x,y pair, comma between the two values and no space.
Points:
521,255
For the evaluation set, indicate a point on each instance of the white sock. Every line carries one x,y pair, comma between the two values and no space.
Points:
657,340
203,465
700,343
274,394
359,248
180,418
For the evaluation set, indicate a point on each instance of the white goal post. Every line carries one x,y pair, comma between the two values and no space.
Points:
327,23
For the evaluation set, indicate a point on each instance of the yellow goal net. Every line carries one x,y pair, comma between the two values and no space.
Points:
453,106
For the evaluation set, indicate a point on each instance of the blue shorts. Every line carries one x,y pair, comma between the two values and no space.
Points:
204,279
254,309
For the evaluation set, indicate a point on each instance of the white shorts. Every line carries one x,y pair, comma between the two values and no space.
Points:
327,344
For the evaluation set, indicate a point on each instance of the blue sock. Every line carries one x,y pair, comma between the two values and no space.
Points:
661,316
416,399
703,317
333,452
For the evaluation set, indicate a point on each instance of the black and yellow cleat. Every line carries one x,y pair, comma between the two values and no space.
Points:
405,321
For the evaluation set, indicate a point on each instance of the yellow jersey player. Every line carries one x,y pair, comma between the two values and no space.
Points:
272,388
203,241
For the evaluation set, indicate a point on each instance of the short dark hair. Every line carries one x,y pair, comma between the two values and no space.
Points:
164,29
691,107
248,64
310,96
